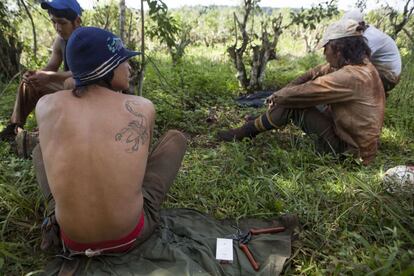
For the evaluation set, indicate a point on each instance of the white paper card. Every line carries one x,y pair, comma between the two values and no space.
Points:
224,250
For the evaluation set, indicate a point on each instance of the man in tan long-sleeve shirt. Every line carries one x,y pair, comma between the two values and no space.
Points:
349,84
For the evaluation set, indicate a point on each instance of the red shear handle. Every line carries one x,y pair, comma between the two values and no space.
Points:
249,256
267,230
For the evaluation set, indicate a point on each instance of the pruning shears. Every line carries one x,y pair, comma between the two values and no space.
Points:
244,237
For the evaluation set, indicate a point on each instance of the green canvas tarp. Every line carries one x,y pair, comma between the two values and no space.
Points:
185,244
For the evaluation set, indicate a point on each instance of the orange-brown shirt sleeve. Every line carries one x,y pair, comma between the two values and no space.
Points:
327,89
312,74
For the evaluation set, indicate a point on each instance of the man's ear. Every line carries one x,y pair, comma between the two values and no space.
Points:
78,21
341,60
338,54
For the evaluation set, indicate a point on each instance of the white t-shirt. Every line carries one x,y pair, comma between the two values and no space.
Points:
384,52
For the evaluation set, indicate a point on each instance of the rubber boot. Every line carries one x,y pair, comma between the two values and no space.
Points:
237,134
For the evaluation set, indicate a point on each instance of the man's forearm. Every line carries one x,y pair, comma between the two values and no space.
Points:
311,74
301,79
305,95
60,76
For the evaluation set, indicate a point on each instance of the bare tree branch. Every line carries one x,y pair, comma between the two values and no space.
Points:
130,29
33,29
393,16
409,35
265,52
235,53
122,11
142,69
260,54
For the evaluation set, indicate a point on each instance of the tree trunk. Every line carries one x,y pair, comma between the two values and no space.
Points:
10,50
264,53
261,54
307,43
33,29
10,47
130,29
312,38
236,54
142,69
107,18
409,35
122,10
177,49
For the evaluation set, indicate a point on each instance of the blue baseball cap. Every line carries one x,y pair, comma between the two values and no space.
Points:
62,5
93,53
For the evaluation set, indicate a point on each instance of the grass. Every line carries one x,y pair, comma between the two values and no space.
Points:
350,225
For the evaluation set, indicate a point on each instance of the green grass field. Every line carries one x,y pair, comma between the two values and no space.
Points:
350,224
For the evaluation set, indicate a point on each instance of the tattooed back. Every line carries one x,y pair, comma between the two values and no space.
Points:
95,150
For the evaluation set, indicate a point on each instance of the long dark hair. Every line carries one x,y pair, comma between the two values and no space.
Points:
104,82
354,49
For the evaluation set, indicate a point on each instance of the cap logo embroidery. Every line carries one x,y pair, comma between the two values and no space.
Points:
114,44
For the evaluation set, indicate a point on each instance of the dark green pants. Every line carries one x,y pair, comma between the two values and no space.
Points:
318,125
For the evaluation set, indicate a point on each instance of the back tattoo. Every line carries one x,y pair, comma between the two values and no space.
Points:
137,130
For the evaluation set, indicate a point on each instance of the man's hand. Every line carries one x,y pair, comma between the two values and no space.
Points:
69,84
40,78
28,74
270,100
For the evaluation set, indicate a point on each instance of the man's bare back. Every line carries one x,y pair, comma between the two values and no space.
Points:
95,150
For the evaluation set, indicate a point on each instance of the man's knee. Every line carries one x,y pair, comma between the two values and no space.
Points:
173,133
278,116
312,121
176,137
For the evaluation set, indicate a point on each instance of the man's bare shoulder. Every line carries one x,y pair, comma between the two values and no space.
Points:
137,129
52,99
139,99
57,43
50,103
132,102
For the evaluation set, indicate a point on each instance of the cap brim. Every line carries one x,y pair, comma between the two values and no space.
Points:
45,5
131,54
321,44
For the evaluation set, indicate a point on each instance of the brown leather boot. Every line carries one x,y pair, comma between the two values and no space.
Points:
247,130
8,133
50,235
25,143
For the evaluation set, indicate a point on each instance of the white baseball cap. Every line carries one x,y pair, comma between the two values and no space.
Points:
340,29
354,15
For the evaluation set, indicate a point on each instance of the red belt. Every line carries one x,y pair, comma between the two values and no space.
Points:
112,246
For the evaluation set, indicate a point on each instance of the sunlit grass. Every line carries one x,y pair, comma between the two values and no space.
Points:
350,225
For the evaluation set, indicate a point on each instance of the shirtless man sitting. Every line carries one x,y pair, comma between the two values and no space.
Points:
65,17
106,187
